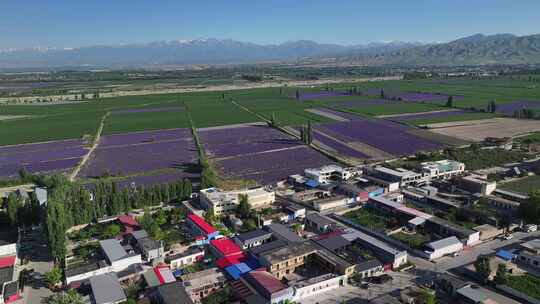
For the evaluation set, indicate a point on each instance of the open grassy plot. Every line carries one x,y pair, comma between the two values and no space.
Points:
527,284
47,128
369,217
210,111
132,122
286,110
523,185
416,240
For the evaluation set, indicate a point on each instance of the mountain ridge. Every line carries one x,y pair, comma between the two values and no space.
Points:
476,49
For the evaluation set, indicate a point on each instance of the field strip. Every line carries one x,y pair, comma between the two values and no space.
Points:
94,146
452,124
259,153
327,115
233,126
147,143
370,151
415,113
61,99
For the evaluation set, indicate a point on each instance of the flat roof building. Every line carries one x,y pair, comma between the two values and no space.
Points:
442,169
225,202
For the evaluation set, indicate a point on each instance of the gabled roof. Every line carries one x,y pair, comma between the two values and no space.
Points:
265,281
106,289
254,235
334,242
284,233
226,247
174,293
112,249
201,223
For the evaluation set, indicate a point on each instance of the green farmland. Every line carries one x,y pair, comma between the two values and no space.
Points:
63,121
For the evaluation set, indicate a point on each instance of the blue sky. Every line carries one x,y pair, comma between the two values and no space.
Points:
72,23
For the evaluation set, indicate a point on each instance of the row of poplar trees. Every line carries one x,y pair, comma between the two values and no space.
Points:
70,204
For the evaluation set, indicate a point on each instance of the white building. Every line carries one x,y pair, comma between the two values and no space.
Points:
317,285
330,203
442,169
224,202
329,173
440,248
186,258
117,257
476,183
402,176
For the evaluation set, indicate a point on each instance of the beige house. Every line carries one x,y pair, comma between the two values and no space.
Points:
225,202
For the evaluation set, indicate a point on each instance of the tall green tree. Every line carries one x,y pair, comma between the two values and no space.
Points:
481,265
56,230
450,101
14,205
501,277
243,208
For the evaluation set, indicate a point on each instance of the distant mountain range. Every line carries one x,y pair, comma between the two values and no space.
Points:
474,50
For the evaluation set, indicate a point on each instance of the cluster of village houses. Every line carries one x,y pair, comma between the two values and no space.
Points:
302,246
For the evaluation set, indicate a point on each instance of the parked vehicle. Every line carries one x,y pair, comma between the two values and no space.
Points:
530,228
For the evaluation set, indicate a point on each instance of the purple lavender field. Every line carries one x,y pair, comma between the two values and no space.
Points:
41,157
387,136
339,147
272,166
149,110
130,153
143,137
258,153
228,142
365,103
509,108
320,95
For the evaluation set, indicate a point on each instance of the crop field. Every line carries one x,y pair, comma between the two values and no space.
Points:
286,110
135,153
438,116
141,121
371,136
49,128
508,109
522,185
40,158
257,152
477,130
211,110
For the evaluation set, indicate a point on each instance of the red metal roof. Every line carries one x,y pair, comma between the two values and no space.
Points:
226,247
7,261
127,220
267,281
201,223
230,260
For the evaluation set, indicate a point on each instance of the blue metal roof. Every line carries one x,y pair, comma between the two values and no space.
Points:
505,255
312,183
236,270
